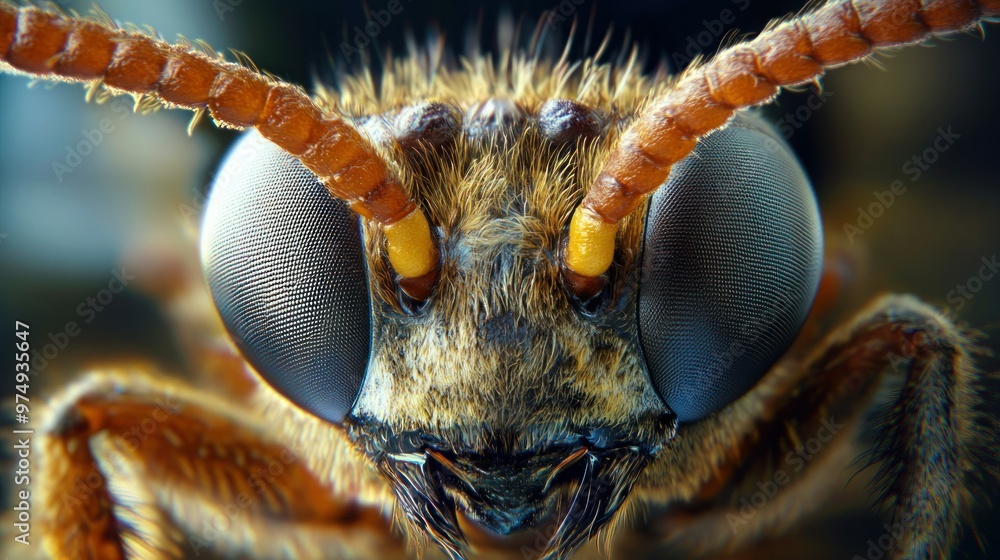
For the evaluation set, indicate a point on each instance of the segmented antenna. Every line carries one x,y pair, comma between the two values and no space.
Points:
748,74
54,46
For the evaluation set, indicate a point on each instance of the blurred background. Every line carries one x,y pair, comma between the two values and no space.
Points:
69,218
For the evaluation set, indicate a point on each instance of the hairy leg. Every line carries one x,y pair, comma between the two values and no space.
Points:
897,386
136,466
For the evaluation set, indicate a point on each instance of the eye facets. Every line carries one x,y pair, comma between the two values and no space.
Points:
731,261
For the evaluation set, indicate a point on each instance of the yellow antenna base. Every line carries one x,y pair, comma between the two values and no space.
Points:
591,244
410,246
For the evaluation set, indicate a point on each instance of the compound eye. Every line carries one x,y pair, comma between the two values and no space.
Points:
285,265
732,256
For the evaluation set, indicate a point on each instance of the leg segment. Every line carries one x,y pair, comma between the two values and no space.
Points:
897,386
134,466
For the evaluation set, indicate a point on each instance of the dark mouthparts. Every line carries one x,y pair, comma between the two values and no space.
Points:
569,490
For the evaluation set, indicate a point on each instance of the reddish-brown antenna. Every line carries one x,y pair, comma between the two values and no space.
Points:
704,99
53,46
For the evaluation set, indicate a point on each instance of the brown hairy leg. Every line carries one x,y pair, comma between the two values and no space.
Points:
137,466
894,393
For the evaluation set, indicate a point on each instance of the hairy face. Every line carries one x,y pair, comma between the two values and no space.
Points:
504,400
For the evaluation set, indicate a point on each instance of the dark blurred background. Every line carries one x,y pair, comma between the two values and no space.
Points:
143,183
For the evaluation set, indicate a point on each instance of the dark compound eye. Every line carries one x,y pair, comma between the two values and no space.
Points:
731,262
285,265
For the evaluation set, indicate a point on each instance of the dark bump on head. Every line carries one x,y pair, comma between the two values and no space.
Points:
429,122
492,115
563,121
